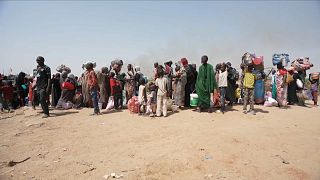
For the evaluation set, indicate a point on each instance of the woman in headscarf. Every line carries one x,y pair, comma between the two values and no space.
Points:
168,74
137,78
103,81
130,83
281,85
190,80
68,93
85,88
292,77
21,88
206,84
180,83
56,89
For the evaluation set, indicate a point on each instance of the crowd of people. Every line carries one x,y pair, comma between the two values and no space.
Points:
113,88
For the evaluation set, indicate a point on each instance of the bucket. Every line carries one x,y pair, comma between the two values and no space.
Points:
100,105
194,99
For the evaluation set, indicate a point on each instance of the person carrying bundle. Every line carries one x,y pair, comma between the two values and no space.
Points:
314,80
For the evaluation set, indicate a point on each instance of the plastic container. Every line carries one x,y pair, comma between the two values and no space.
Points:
100,105
194,99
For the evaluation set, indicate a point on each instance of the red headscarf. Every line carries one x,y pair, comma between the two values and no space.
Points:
184,61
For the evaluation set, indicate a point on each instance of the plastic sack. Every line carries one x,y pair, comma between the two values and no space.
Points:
272,101
280,58
133,104
110,104
267,104
62,68
299,83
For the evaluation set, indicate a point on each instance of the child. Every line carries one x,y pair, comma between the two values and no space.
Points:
116,91
161,83
223,84
248,85
152,99
7,90
142,97
238,94
314,80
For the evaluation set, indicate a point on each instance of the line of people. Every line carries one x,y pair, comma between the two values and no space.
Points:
110,88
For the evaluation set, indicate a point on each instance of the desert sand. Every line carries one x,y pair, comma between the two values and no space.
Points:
274,144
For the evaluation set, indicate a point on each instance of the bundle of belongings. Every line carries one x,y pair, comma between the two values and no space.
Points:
258,63
133,104
248,58
116,65
315,75
280,58
86,64
301,64
63,68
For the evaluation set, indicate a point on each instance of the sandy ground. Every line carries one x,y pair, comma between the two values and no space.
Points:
274,144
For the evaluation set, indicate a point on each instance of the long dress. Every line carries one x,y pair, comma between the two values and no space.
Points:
205,85
292,90
130,85
56,91
85,90
180,83
189,87
102,80
281,88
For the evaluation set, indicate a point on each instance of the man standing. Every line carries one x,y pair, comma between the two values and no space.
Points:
43,84
206,83
93,87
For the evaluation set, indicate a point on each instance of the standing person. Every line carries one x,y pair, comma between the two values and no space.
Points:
137,78
292,77
142,97
302,78
195,73
56,89
155,70
168,74
206,84
8,93
152,99
273,84
1,98
233,77
130,83
22,91
190,80
43,84
102,81
180,83
116,92
248,85
93,87
223,85
281,85
314,80
161,83
85,89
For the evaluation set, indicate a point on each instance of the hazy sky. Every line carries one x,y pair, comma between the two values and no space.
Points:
143,32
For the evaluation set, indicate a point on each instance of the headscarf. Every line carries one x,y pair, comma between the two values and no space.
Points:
184,61
137,68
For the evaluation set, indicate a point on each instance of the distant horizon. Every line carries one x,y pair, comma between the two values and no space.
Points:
144,32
